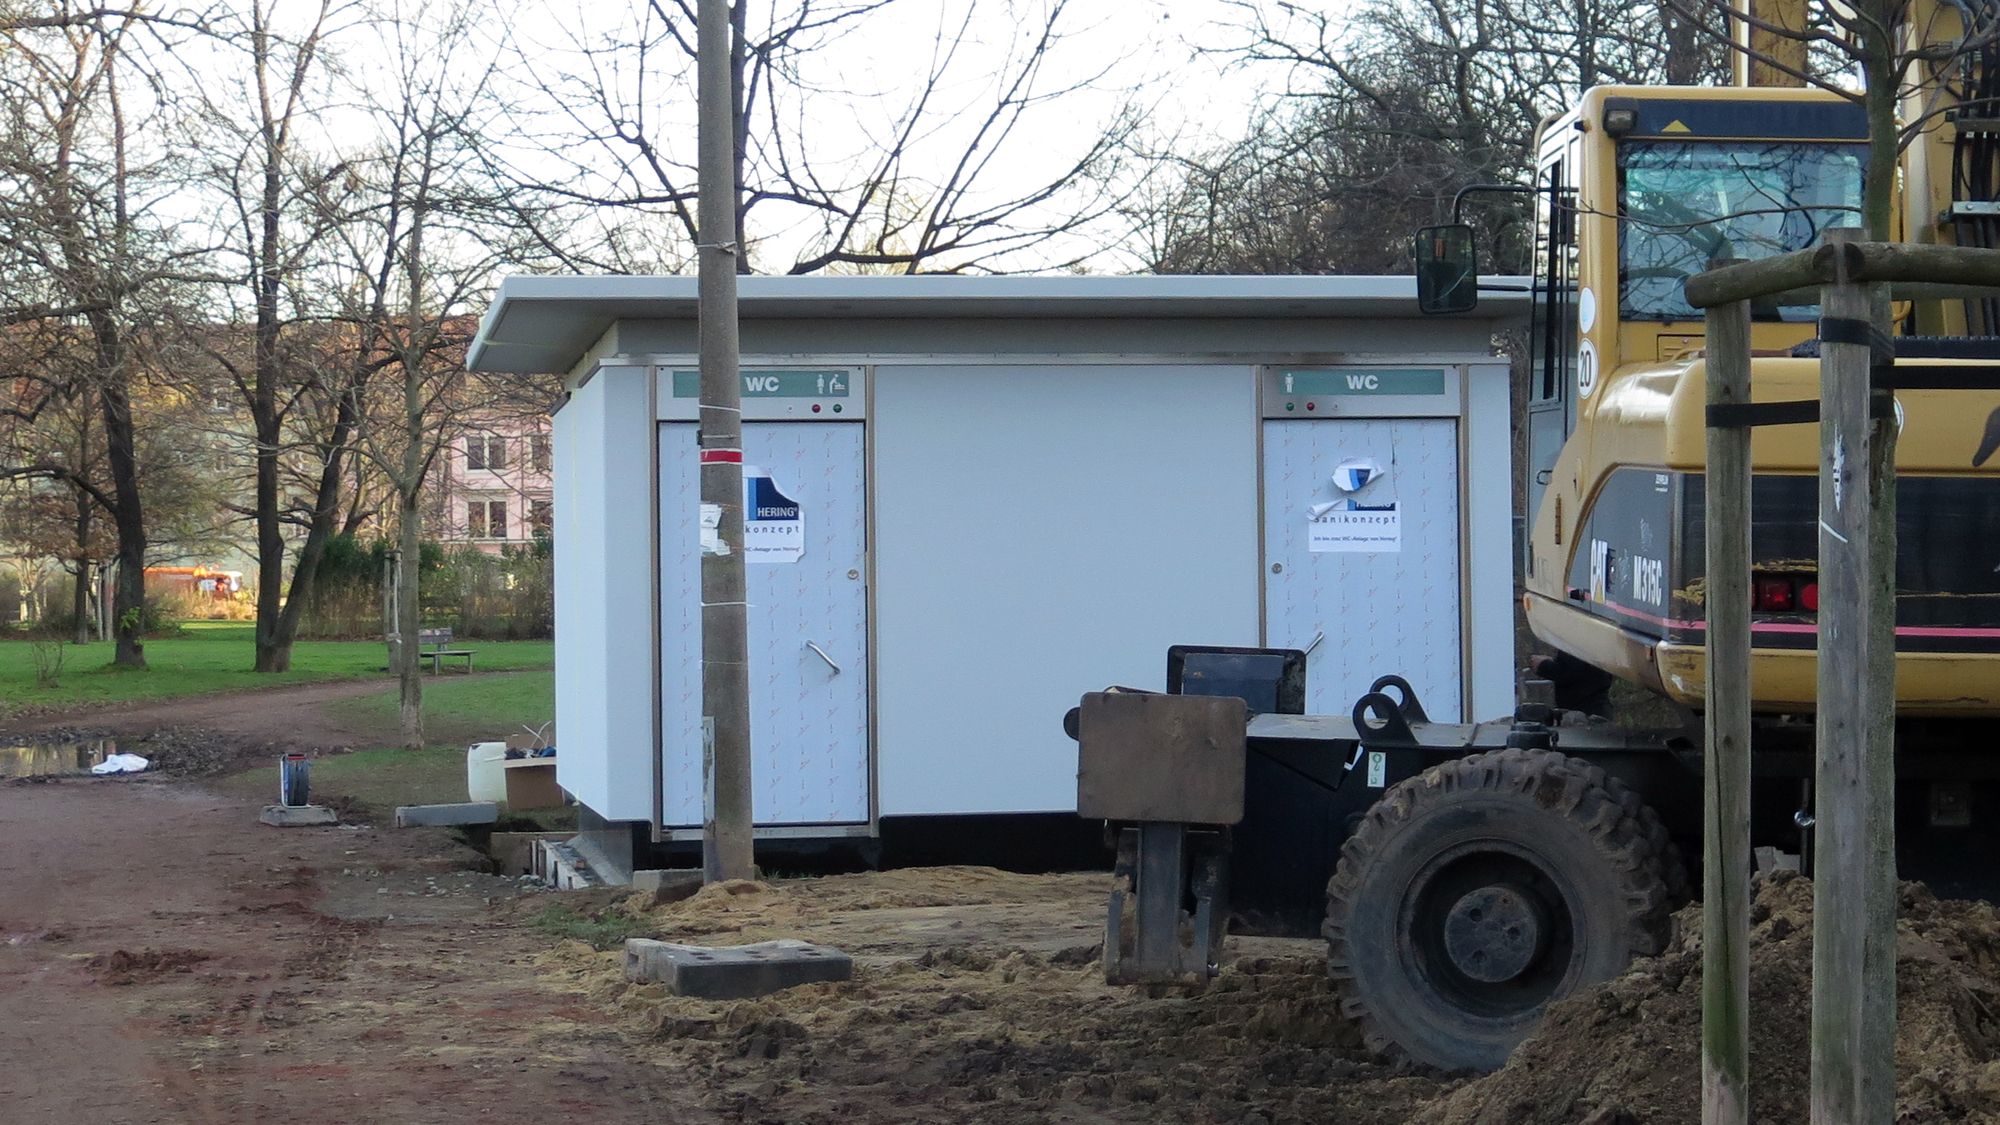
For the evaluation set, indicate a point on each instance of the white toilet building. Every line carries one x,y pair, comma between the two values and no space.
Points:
975,499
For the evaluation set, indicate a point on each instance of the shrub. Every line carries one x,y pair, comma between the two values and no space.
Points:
510,596
346,598
48,663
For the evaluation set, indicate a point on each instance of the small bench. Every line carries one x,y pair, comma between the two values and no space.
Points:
437,653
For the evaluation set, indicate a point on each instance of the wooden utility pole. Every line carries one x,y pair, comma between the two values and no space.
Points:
726,851
1854,880
1726,862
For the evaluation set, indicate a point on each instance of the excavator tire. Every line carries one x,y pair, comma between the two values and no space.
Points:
1477,893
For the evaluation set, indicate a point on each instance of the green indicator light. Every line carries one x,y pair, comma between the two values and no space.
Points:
1291,406
836,408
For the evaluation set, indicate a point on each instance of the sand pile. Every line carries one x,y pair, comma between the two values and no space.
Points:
978,998
1630,1050
970,1036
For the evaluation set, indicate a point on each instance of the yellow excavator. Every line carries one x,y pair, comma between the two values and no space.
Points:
1506,864
1637,189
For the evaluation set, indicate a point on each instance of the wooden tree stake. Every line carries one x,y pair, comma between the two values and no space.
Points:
1726,861
1854,987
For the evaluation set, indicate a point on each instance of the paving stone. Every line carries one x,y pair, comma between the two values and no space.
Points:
297,816
667,885
432,816
734,972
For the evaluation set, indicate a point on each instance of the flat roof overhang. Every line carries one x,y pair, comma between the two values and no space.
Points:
542,325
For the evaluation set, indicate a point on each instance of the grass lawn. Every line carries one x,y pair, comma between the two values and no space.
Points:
457,711
210,656
381,779
462,709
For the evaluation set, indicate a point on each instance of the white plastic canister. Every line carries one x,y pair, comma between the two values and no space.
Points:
485,772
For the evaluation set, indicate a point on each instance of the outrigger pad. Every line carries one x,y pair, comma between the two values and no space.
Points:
1147,757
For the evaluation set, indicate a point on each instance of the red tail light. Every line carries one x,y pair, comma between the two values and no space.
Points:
1771,594
1784,593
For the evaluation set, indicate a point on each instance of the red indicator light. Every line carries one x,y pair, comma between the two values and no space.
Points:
815,408
1771,594
1309,406
1809,597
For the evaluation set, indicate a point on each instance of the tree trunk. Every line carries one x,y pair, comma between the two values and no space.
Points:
326,506
410,697
127,514
1879,99
272,655
79,604
1683,42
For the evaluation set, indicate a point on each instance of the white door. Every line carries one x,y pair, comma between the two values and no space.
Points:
808,623
1361,544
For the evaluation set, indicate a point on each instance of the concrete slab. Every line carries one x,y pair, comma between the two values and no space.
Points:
667,885
297,816
734,972
444,816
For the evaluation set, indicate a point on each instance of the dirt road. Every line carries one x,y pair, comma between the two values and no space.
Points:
284,718
164,958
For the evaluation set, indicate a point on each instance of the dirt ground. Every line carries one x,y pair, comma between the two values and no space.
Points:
978,998
164,958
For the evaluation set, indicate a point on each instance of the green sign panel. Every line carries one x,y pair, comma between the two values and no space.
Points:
828,383
1362,381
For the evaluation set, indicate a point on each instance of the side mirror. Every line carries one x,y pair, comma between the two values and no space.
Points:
1447,269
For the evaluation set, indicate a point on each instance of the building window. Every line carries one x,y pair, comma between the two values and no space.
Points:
541,518
485,451
538,452
486,519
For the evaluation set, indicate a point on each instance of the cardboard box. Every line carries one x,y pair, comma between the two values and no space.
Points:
531,784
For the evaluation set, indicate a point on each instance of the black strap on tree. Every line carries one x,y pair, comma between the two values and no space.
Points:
1789,413
1848,330
1885,376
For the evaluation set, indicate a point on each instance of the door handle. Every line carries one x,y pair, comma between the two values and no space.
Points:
1543,476
821,653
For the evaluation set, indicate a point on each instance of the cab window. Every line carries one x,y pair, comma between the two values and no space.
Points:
1683,204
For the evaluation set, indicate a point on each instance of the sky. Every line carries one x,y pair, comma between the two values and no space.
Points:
1149,52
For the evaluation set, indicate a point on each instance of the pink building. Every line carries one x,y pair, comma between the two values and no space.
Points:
495,489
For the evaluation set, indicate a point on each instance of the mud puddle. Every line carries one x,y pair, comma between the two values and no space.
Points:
54,759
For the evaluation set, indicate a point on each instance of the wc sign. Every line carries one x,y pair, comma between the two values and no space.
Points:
774,524
788,383
1362,381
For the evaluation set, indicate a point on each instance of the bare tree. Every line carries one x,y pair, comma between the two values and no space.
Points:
435,227
931,181
1387,110
81,170
1906,64
53,510
281,193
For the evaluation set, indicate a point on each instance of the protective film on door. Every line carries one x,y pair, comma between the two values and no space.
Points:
805,543
1361,543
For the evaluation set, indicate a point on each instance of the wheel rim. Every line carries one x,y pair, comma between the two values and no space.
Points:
1490,931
